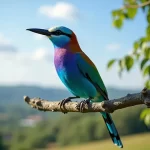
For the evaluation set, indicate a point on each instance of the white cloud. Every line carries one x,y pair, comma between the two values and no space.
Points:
36,55
39,36
3,40
42,54
61,10
28,68
21,68
113,47
5,45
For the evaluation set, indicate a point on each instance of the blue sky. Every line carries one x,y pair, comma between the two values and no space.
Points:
26,58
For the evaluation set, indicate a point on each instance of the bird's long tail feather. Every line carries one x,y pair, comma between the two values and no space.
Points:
112,129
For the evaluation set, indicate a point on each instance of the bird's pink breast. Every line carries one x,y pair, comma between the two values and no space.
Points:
63,58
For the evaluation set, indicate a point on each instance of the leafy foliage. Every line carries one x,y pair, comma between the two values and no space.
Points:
110,63
129,62
145,115
141,48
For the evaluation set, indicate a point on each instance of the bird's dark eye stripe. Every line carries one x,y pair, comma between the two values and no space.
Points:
69,35
59,32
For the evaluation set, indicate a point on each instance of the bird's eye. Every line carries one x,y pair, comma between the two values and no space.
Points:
58,32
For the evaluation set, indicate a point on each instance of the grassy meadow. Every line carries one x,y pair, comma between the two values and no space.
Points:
133,142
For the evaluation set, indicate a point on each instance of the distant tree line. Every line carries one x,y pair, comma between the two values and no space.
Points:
73,128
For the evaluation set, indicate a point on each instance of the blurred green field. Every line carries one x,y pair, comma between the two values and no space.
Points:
134,142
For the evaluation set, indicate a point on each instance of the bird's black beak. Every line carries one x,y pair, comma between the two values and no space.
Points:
40,31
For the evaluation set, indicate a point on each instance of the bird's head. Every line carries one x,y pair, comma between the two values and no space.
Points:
60,36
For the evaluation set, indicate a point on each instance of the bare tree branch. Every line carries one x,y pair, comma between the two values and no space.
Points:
136,6
106,106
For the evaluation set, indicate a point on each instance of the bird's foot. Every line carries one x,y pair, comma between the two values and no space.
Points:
81,105
62,104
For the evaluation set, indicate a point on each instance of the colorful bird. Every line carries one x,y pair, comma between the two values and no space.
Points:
78,73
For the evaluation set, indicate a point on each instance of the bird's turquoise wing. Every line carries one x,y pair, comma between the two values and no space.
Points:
89,71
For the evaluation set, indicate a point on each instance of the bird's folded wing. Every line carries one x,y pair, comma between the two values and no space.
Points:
89,71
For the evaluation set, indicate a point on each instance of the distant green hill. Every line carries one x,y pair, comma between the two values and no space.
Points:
14,94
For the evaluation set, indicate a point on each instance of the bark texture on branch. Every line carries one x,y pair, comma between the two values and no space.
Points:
106,106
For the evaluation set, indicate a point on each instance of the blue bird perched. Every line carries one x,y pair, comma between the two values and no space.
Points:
78,73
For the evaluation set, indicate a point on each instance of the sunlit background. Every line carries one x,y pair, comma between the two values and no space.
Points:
26,64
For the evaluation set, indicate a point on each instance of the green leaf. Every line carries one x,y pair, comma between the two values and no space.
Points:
121,64
129,61
136,46
147,84
141,41
148,38
143,62
148,31
116,13
126,15
144,113
147,52
145,116
146,71
148,17
110,63
118,23
147,120
131,12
